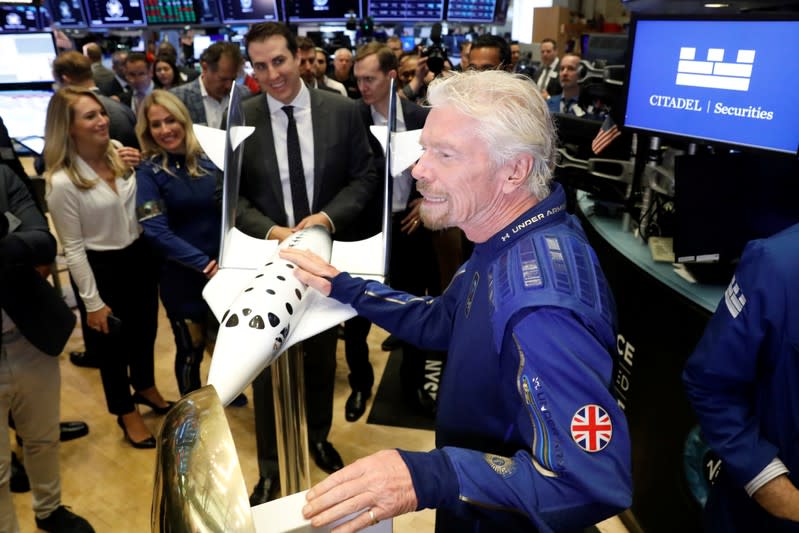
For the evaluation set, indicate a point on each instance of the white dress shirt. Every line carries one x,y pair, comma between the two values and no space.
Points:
302,115
92,219
403,182
214,109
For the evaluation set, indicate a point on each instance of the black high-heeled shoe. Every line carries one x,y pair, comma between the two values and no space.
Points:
149,442
138,398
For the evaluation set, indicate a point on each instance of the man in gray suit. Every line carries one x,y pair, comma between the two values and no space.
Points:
308,162
207,96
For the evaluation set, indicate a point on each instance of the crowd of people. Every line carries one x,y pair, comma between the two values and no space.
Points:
133,200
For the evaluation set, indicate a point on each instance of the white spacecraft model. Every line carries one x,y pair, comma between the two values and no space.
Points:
261,307
263,310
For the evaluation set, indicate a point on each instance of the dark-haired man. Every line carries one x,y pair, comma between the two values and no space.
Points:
489,52
546,78
139,73
411,246
207,96
307,163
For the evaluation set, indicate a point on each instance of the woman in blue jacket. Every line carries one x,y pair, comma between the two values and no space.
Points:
177,209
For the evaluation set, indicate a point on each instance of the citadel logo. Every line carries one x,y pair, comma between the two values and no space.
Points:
714,72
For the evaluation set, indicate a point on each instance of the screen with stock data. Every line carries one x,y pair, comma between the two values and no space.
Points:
420,10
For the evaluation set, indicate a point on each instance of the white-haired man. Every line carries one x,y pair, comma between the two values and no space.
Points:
528,434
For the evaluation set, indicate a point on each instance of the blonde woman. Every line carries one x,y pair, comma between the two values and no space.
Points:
178,211
91,197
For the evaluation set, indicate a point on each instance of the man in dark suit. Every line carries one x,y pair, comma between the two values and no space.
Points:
206,97
117,86
308,162
547,77
36,323
411,247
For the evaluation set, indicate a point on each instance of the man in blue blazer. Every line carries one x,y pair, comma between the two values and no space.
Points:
279,194
206,97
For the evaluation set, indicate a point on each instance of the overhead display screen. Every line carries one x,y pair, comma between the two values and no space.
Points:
16,17
67,13
115,12
170,12
471,10
715,81
425,10
27,58
322,10
234,11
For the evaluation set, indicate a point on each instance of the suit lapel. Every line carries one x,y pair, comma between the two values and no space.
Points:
266,147
319,119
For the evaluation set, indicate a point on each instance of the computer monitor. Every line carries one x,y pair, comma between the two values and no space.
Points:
27,59
471,10
115,13
19,18
180,12
66,14
722,201
248,11
322,10
716,80
408,43
608,48
24,113
201,42
406,10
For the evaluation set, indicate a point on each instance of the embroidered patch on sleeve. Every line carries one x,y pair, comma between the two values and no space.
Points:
591,428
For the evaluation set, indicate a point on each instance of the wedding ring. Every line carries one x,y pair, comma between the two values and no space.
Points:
374,520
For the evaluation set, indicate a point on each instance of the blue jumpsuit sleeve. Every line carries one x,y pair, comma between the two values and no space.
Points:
425,322
156,228
720,375
556,482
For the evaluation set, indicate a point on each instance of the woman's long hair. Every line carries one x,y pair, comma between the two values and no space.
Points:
176,79
60,152
151,149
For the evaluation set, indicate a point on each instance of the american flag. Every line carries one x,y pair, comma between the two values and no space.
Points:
591,428
607,133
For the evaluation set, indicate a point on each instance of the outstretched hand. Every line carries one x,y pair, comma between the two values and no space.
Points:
312,269
374,488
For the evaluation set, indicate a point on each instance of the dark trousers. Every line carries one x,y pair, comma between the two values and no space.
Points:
127,282
319,365
413,270
190,340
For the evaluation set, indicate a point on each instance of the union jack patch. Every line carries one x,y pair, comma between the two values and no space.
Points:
591,428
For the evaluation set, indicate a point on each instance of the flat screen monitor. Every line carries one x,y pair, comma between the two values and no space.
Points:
19,17
24,114
27,58
201,42
248,11
179,12
406,10
67,13
714,80
408,43
322,10
115,13
471,10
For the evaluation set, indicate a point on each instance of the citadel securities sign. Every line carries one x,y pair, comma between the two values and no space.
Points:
713,73
718,81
